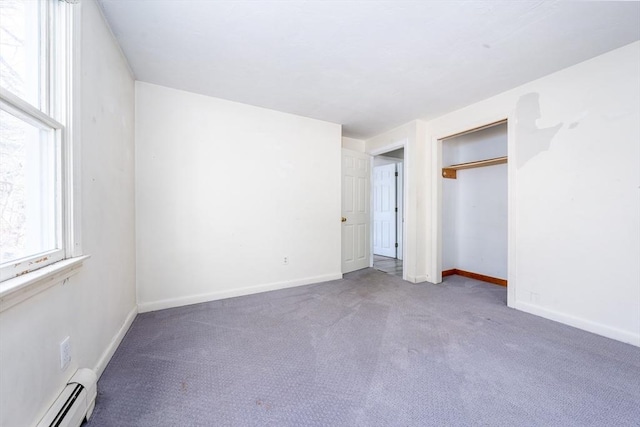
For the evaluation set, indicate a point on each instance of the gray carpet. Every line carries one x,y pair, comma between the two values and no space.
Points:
368,350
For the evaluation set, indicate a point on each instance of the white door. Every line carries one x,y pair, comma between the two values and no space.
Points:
400,205
356,210
384,210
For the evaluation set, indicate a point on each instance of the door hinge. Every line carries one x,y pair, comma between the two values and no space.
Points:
396,173
396,209
396,245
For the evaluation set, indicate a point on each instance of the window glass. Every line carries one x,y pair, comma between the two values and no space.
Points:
28,189
33,61
21,48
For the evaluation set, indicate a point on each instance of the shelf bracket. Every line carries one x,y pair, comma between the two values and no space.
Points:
449,173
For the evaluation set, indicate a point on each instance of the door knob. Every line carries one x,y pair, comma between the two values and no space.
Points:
344,219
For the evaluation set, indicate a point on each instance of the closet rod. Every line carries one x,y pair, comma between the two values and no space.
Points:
450,171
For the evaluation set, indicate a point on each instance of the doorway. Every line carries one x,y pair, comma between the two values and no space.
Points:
388,211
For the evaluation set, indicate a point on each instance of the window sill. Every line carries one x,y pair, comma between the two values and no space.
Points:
18,289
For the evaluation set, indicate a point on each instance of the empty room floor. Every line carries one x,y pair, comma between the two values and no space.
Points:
388,265
367,350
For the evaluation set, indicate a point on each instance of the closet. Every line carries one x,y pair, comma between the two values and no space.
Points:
474,204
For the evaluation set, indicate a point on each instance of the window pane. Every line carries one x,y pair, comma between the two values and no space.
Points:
20,48
27,189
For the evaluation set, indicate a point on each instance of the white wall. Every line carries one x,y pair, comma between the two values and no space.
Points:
474,206
95,306
353,144
225,191
574,174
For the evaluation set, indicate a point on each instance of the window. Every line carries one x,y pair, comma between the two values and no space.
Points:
35,141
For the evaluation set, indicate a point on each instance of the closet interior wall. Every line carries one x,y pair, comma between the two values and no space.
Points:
474,205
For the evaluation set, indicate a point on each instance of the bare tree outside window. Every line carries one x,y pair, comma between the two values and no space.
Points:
27,151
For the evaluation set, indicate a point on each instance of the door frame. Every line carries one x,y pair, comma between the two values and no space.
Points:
380,151
462,128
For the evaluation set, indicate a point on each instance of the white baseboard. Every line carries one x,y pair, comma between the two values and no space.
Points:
577,322
115,342
212,296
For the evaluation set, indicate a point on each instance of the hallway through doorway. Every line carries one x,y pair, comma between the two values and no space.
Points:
388,265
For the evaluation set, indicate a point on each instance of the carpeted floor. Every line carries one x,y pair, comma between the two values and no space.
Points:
368,350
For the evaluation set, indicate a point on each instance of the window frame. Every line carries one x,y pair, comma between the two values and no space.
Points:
59,68
24,111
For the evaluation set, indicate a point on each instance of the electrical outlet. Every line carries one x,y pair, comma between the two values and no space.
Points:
65,353
285,260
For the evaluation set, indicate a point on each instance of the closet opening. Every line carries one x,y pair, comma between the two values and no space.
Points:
474,207
388,211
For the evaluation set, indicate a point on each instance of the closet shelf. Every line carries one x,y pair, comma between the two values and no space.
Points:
450,171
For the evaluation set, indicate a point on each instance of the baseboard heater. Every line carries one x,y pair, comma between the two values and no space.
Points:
75,403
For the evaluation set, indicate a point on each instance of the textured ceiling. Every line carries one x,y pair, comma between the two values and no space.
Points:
369,65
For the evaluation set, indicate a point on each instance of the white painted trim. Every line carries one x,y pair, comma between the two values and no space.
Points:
115,342
580,323
372,164
417,279
18,289
13,269
512,213
73,190
436,210
27,112
248,290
